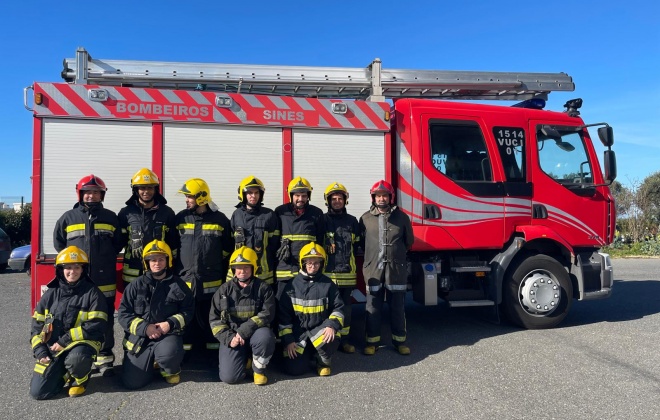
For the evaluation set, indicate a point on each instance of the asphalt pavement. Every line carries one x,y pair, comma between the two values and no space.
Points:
602,362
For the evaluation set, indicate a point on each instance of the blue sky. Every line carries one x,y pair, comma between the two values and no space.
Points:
610,48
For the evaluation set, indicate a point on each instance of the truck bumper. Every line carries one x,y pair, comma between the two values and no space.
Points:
595,276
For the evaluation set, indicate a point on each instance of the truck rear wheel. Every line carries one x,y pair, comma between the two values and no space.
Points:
538,294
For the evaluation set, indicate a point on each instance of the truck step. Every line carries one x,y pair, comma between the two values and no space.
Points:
468,303
470,269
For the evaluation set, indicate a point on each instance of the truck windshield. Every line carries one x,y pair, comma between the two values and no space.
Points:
565,159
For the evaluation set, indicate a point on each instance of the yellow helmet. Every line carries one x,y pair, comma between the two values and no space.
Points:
312,250
244,256
298,185
198,188
250,182
154,248
71,255
144,177
332,189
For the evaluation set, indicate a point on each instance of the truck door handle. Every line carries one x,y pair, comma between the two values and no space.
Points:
431,211
539,211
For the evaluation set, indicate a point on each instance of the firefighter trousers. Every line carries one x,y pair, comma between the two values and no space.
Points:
345,293
374,310
106,357
198,334
232,361
48,380
323,354
166,351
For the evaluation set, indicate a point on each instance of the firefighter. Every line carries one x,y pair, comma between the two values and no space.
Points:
301,223
206,244
256,227
387,236
67,328
146,217
154,311
342,236
310,314
95,230
241,314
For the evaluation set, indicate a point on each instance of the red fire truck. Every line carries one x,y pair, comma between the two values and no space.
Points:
508,203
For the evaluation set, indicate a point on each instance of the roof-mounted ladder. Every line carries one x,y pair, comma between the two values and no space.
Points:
373,82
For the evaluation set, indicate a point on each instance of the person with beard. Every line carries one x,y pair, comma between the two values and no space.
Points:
301,223
95,230
242,311
256,227
206,244
310,315
154,311
387,236
67,328
145,218
342,235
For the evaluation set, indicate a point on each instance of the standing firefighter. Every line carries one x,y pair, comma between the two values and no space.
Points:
95,230
388,236
342,235
145,218
154,311
241,314
206,243
301,223
67,328
256,227
310,315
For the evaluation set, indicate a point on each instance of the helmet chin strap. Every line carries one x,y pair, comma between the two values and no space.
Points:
158,273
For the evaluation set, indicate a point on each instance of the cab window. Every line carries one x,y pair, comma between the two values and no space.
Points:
565,159
459,151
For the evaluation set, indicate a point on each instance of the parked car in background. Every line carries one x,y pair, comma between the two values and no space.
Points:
20,259
5,249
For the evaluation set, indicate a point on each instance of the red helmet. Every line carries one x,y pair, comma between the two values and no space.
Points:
383,187
91,182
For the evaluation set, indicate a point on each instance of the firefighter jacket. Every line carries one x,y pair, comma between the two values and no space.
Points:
387,237
77,314
299,230
306,307
241,310
260,230
96,231
149,301
206,243
342,236
157,222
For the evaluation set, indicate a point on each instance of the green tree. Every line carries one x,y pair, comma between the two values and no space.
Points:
649,192
17,224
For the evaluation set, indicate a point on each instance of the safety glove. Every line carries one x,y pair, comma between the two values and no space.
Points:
330,244
136,243
284,252
239,237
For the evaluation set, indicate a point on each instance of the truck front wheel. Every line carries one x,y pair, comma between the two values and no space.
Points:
538,294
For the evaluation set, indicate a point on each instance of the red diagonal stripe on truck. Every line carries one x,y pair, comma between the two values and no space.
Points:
75,99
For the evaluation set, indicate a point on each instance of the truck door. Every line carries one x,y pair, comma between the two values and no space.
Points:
565,199
463,197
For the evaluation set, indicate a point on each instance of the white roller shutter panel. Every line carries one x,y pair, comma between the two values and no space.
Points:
222,156
113,151
355,159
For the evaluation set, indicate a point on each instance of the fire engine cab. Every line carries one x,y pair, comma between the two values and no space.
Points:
509,205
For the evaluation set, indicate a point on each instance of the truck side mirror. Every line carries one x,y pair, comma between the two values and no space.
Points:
606,135
609,161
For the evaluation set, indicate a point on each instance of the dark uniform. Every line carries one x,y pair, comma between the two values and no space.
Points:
342,236
248,311
79,317
96,231
147,301
260,231
157,222
387,238
299,230
306,307
206,243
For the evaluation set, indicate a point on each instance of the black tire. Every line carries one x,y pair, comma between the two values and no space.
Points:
545,269
3,267
28,268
